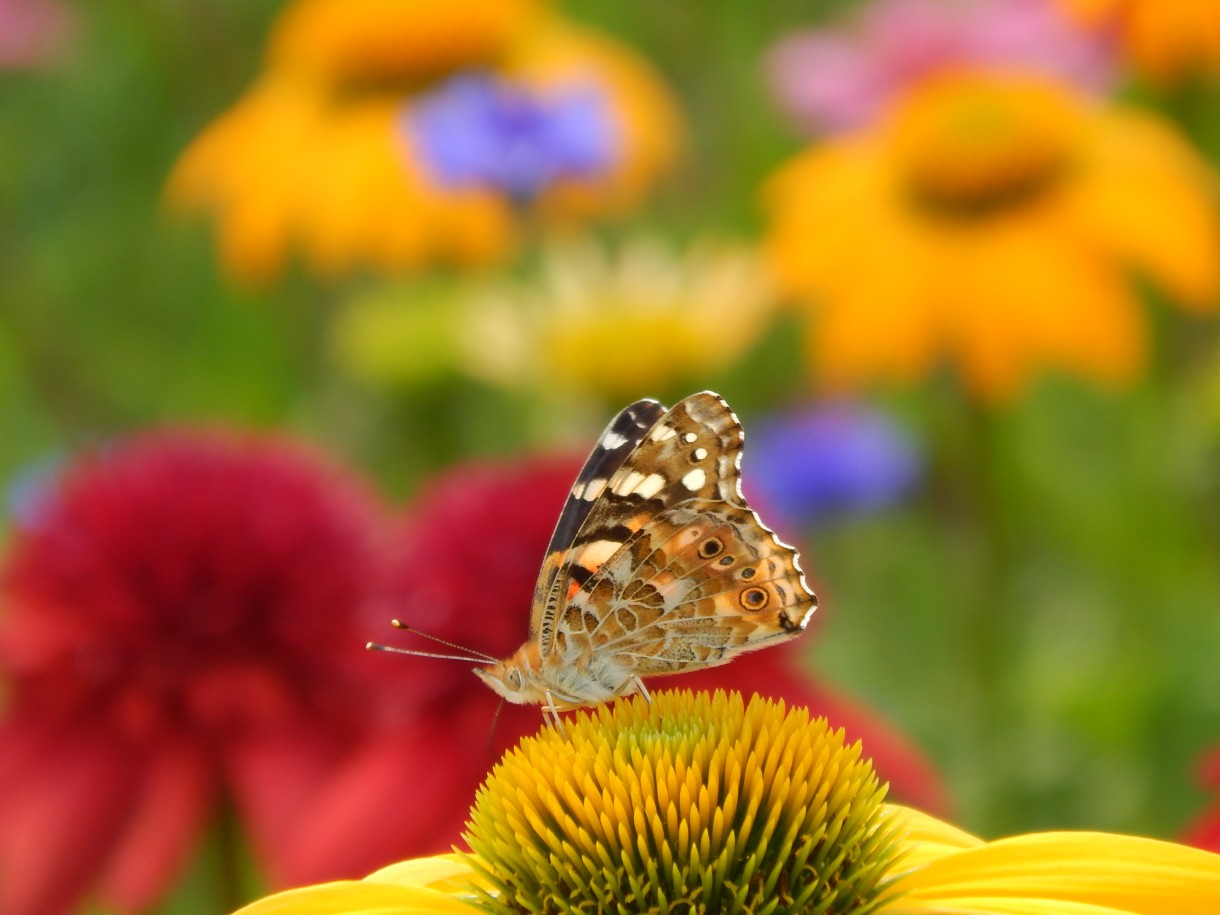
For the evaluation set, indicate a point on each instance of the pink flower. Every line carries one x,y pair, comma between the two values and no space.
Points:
180,628
836,79
33,33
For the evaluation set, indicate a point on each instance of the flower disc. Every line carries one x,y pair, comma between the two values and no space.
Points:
694,802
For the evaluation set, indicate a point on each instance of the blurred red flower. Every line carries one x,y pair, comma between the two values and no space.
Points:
178,633
1204,831
185,616
464,562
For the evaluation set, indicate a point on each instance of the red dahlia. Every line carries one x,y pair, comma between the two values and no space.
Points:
180,629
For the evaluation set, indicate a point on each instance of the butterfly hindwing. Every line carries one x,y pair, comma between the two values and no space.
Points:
700,584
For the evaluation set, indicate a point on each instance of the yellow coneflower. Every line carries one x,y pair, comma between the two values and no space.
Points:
700,803
669,315
992,220
399,134
1168,40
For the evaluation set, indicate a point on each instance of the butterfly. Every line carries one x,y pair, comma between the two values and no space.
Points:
657,565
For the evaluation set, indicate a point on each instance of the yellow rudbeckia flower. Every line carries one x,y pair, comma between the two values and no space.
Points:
668,314
992,220
397,134
1168,40
701,803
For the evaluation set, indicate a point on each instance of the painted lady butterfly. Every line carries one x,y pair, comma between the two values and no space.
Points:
657,565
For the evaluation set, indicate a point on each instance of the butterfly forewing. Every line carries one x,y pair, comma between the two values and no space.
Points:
692,452
615,445
613,448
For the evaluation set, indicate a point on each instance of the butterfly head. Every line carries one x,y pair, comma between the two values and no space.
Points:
516,678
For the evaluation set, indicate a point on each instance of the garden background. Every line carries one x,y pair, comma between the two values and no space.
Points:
977,344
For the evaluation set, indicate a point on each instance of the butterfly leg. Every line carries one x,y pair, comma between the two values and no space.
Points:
553,710
642,690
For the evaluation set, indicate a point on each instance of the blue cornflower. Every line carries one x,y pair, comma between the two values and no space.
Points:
483,131
829,460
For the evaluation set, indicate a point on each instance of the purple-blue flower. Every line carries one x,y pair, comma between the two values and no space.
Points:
829,460
485,132
29,494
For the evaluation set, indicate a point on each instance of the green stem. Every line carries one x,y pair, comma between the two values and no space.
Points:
53,360
989,627
231,891
974,455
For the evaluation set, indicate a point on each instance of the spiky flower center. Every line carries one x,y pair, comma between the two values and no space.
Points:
693,803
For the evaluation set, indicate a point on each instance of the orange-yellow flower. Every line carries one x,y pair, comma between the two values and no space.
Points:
1167,39
711,804
993,221
328,155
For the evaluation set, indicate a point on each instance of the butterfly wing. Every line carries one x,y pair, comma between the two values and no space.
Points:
614,446
691,452
700,584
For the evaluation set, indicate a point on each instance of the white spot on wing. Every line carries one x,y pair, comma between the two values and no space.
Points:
628,483
700,454
594,553
690,437
662,433
591,490
694,480
644,485
612,440
651,485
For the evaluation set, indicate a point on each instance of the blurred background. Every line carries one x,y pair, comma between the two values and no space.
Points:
309,311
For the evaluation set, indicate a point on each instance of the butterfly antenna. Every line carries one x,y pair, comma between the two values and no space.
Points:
471,654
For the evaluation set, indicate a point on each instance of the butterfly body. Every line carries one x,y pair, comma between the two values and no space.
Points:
559,682
657,565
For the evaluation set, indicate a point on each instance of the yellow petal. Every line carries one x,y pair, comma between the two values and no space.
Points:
437,872
1025,295
991,905
357,897
387,40
1124,873
927,838
1171,40
1149,199
841,240
244,169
